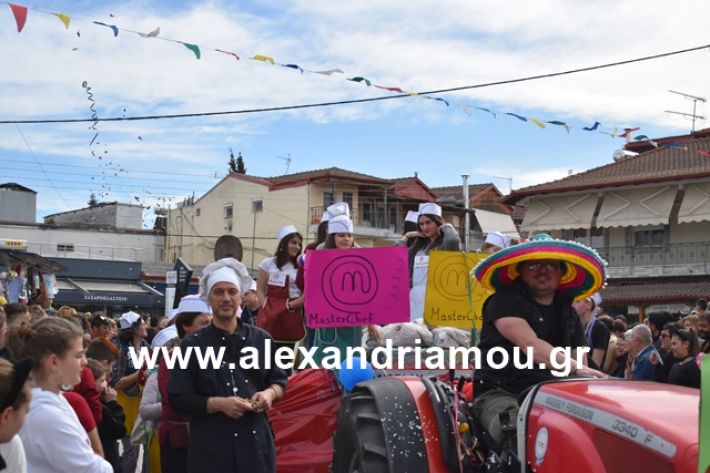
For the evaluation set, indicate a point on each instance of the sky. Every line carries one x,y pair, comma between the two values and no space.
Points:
418,46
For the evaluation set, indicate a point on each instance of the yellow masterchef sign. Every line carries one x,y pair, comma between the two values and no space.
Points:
453,297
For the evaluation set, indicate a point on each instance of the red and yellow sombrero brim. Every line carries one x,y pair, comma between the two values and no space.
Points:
584,271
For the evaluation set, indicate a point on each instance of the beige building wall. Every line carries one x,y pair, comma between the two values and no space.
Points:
193,230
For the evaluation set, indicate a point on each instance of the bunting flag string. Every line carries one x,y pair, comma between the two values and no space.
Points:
21,12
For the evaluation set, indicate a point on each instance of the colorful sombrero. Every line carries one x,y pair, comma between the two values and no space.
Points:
583,271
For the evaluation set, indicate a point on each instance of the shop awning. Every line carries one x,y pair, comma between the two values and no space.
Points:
696,203
656,292
637,207
563,212
31,259
493,221
106,292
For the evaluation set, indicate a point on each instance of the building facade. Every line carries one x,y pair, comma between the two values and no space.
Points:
648,215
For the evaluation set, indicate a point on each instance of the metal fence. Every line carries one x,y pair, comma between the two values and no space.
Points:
679,255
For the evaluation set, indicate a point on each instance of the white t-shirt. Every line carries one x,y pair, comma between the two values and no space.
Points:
14,455
277,277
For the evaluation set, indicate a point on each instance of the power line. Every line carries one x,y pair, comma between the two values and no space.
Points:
373,99
40,166
44,163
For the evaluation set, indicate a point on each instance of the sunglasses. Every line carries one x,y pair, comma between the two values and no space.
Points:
538,266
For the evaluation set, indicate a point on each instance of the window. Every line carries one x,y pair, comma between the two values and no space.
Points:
653,237
65,247
348,198
228,211
328,198
197,212
257,205
367,213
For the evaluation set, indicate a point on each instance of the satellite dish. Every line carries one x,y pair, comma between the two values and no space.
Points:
619,155
228,246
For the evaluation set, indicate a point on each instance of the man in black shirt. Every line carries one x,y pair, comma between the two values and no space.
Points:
229,429
530,310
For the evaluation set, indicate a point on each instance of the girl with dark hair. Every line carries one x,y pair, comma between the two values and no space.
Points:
52,436
15,395
127,379
280,298
684,346
433,234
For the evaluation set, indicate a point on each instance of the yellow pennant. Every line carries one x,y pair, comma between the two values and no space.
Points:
262,58
65,19
537,122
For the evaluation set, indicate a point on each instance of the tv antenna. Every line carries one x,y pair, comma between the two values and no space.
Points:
508,179
693,116
288,161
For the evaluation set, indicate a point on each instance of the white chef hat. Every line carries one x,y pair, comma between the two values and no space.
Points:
224,270
172,314
192,303
252,286
339,208
596,298
128,319
412,216
340,224
326,216
498,239
285,231
429,208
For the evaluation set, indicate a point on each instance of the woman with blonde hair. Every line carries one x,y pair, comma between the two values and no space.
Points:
53,438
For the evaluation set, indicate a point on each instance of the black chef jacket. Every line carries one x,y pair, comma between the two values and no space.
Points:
219,443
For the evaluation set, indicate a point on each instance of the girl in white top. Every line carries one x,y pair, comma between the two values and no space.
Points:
54,440
15,398
433,234
276,288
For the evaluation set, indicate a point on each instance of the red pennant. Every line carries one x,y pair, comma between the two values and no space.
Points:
20,13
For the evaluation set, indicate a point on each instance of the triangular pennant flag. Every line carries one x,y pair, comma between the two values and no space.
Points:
361,79
555,122
293,66
152,34
330,72
113,27
517,116
262,58
391,89
439,99
194,48
486,110
593,127
641,138
20,14
627,132
537,122
64,18
228,52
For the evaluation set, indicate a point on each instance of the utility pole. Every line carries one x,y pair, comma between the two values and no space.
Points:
467,216
693,116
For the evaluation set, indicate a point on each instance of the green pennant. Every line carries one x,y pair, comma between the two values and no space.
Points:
194,48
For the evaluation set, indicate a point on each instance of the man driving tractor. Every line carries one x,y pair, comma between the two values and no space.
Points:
535,284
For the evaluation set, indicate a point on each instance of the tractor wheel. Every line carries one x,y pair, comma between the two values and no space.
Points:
359,442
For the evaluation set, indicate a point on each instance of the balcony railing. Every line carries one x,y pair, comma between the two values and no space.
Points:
672,259
381,219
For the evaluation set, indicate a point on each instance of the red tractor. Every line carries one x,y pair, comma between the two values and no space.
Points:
412,424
